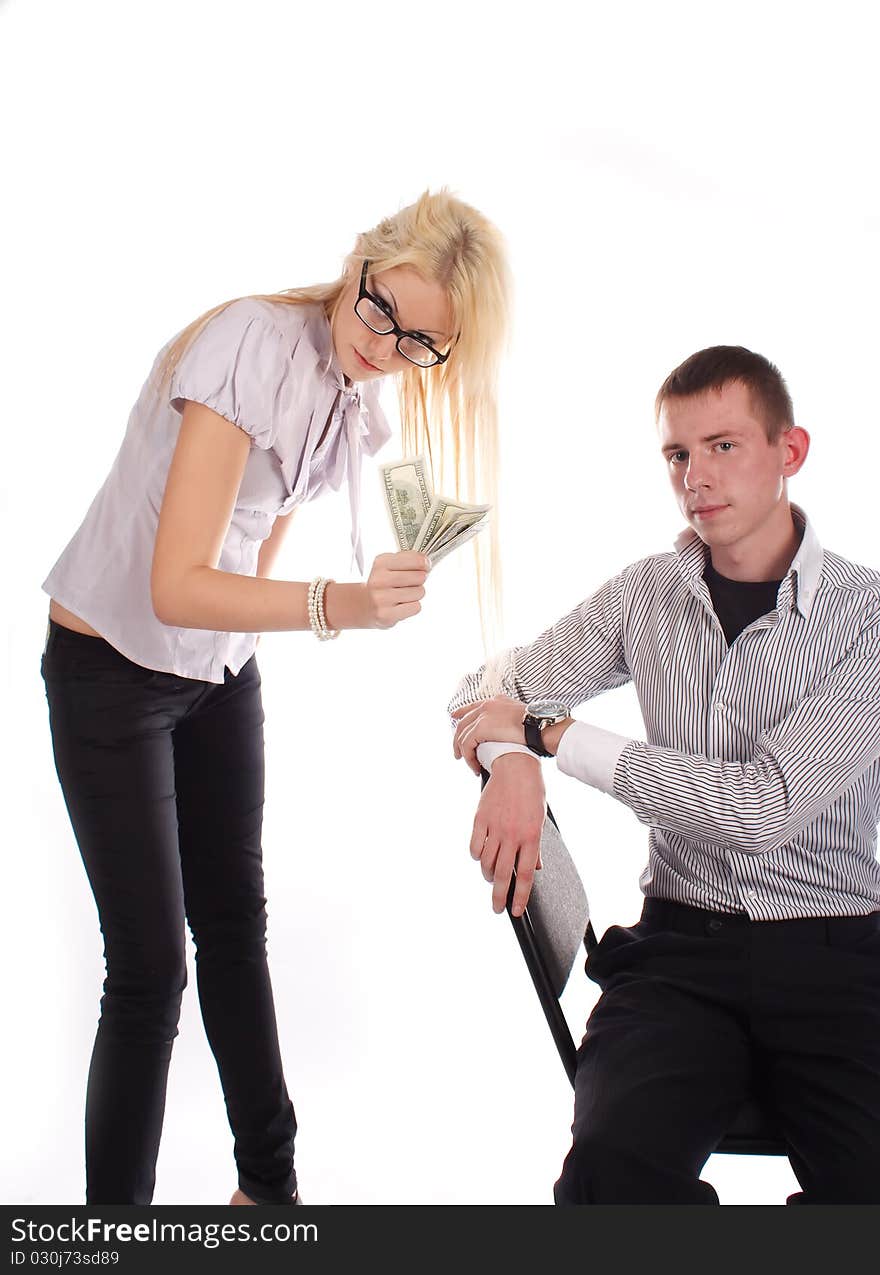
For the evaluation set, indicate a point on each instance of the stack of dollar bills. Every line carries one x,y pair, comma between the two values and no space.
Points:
433,525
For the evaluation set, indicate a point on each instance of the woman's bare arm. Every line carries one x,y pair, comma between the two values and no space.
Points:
189,591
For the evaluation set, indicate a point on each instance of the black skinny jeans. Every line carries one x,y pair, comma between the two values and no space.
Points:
163,780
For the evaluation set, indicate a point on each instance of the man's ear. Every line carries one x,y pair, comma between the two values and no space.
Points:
796,442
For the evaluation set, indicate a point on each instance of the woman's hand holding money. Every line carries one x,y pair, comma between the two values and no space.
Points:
394,588
393,591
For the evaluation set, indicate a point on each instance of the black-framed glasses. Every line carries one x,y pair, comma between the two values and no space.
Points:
376,314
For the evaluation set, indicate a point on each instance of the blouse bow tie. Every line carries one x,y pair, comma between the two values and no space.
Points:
345,459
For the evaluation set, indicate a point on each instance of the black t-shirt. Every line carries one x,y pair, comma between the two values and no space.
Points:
738,602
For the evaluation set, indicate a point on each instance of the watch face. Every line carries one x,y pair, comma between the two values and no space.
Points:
547,708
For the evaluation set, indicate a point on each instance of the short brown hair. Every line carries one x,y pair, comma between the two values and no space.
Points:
718,365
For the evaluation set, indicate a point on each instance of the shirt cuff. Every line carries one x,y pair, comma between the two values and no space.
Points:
590,754
488,751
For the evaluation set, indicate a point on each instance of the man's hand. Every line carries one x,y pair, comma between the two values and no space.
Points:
499,719
507,828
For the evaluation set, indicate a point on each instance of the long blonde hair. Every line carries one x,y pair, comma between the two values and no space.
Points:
451,407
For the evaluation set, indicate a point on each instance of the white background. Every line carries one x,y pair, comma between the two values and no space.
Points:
667,177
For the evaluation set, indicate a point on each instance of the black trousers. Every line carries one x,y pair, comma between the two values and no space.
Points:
697,1010
163,780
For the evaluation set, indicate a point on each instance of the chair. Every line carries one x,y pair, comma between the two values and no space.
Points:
552,931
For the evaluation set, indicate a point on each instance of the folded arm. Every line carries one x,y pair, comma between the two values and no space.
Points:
798,768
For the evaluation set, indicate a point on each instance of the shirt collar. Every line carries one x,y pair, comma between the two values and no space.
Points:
801,580
322,340
806,565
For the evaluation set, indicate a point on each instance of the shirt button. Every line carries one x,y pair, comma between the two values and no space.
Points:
751,894
720,706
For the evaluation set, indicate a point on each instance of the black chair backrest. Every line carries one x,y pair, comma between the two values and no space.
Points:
552,931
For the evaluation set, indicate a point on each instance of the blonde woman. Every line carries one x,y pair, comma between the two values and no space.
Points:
156,606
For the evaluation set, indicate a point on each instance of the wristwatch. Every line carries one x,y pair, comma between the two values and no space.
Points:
540,713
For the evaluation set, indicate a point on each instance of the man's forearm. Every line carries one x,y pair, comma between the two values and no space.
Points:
584,752
551,735
489,751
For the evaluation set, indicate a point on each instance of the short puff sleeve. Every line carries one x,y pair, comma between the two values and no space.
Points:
239,366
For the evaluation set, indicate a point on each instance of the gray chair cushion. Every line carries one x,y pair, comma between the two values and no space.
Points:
558,908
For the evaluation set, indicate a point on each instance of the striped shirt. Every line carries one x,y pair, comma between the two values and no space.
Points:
760,777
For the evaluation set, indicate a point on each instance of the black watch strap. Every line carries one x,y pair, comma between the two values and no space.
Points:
532,730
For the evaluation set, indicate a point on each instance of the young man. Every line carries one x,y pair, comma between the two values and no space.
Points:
756,962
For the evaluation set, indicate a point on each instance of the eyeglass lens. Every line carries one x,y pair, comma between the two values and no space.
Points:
379,321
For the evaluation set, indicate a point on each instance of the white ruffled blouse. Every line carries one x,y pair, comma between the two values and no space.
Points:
271,369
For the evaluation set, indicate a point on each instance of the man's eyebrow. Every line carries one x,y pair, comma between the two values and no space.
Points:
427,331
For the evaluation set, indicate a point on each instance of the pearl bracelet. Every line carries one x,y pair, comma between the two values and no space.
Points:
317,618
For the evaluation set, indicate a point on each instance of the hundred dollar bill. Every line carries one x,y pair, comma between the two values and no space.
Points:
453,535
447,546
408,497
445,521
